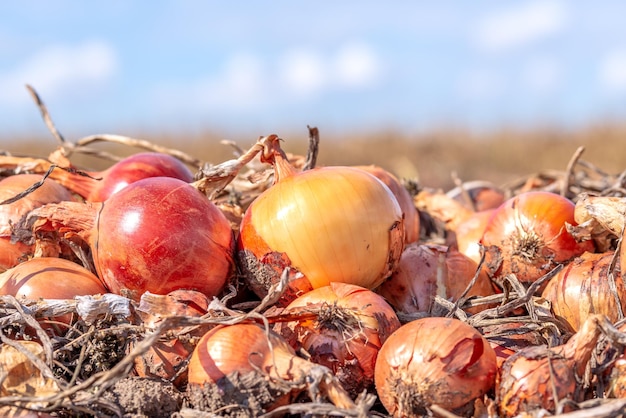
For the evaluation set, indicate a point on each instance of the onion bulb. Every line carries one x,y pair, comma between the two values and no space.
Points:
158,234
469,232
247,359
539,377
429,270
50,278
329,224
433,360
527,236
405,200
11,253
349,325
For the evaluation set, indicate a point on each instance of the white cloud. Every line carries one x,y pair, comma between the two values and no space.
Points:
59,67
303,72
356,65
613,71
515,27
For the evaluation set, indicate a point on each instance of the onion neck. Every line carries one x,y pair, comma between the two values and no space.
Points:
274,155
581,345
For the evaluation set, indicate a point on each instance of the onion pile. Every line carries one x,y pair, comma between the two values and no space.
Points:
329,224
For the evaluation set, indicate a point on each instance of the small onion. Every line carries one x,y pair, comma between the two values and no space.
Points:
49,192
469,232
227,352
429,270
433,360
583,288
537,377
411,215
158,234
527,236
330,224
349,326
50,278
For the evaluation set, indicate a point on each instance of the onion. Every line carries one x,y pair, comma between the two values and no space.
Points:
433,361
411,216
478,195
158,234
429,270
167,358
255,358
527,236
469,232
50,278
49,192
330,224
537,377
348,327
583,288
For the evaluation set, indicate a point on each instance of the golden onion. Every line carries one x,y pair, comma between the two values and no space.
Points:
329,224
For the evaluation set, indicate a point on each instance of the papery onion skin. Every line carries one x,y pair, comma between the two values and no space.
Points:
351,325
11,253
530,237
159,235
583,288
330,224
405,200
429,270
433,360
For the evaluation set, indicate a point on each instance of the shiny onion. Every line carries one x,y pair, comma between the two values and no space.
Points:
583,288
527,236
50,278
49,192
429,270
329,224
405,200
537,377
97,186
348,327
244,349
433,360
157,234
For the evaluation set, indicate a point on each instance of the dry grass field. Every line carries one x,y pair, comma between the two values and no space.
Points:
432,158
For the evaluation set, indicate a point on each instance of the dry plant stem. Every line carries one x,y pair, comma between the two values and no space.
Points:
569,171
46,117
313,151
461,300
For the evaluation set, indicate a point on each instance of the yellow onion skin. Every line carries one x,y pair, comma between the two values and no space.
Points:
433,360
329,224
583,288
350,325
429,270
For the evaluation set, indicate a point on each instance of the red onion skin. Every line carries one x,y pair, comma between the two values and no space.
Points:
136,167
159,235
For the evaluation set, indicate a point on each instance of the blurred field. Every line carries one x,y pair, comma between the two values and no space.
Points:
432,158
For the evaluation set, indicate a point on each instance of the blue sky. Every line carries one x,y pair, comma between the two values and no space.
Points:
252,67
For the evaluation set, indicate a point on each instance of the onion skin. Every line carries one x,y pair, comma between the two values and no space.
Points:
582,288
12,254
158,234
527,236
351,325
534,377
429,270
411,215
245,348
469,232
330,224
433,360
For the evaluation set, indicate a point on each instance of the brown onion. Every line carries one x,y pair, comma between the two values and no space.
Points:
227,352
433,361
469,232
348,327
583,288
539,377
429,270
